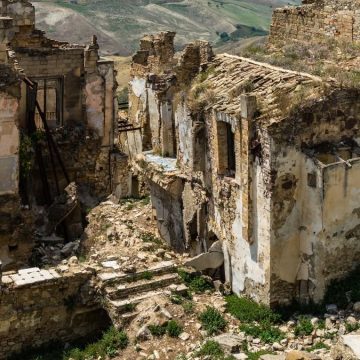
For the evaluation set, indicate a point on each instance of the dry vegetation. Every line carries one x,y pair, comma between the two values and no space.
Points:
331,60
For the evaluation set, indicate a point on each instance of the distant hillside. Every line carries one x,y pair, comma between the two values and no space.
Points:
119,24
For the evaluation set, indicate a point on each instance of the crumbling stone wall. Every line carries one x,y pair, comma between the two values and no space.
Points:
316,21
250,183
40,307
316,197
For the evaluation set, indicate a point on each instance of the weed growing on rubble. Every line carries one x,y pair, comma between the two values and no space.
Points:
172,328
318,346
195,282
212,320
351,327
304,327
265,331
157,330
247,310
150,238
109,345
211,349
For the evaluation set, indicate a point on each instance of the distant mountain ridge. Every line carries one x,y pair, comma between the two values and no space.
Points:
119,24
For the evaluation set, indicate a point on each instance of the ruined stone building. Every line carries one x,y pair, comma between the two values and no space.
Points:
75,91
264,160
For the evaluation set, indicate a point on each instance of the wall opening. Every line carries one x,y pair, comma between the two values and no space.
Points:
199,154
50,99
226,149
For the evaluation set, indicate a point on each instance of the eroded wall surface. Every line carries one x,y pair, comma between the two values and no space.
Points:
42,306
317,21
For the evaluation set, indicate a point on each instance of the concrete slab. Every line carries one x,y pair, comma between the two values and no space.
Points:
353,342
111,264
28,271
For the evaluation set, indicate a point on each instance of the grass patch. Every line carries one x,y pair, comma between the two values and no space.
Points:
172,328
265,331
108,346
150,238
212,320
212,350
351,327
304,327
256,355
188,306
320,345
247,310
195,282
157,330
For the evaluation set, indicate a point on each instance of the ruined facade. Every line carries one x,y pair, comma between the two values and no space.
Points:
317,20
75,92
264,160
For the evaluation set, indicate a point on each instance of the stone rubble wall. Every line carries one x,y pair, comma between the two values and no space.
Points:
43,306
317,21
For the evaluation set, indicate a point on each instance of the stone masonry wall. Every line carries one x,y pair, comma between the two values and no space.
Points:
317,21
42,306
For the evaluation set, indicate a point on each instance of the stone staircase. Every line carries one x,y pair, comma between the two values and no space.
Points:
122,292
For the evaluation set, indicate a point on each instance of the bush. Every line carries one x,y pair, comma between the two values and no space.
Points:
304,327
174,329
265,331
112,341
212,320
247,310
195,282
318,346
157,330
211,348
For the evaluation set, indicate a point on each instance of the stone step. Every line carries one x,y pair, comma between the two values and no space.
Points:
124,290
164,267
123,306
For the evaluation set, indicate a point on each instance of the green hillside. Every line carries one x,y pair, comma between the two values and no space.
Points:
120,23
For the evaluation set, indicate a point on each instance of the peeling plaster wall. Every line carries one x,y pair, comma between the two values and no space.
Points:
296,222
315,230
183,123
168,205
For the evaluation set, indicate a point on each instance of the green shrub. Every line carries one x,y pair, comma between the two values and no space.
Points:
173,329
195,282
150,238
247,310
212,320
188,306
352,327
265,331
304,327
211,348
109,345
256,355
318,346
146,275
157,330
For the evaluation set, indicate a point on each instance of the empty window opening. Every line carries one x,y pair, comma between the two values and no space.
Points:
50,99
199,148
135,191
226,149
